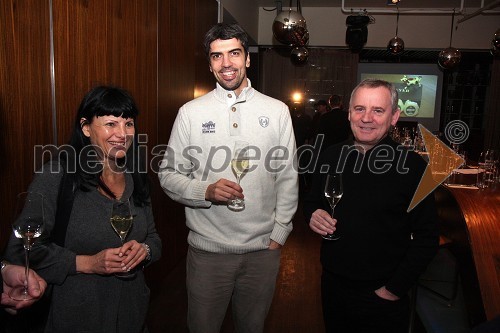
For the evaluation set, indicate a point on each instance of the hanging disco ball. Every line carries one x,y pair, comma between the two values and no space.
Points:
289,27
396,46
299,55
449,58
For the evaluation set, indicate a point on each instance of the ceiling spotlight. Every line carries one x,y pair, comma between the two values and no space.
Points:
357,32
392,2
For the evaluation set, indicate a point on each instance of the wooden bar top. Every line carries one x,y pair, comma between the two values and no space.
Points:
481,211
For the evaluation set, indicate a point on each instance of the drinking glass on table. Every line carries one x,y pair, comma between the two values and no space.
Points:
121,221
487,161
28,226
240,163
333,193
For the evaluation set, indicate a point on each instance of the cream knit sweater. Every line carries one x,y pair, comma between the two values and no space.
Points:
199,154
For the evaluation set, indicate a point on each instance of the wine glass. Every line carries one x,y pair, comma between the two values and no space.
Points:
240,163
487,161
28,226
121,221
333,193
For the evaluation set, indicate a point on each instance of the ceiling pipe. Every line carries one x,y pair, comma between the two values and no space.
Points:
480,10
405,11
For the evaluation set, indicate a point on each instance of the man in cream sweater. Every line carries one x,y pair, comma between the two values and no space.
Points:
233,255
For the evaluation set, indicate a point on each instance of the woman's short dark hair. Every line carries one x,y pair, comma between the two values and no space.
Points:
105,101
225,31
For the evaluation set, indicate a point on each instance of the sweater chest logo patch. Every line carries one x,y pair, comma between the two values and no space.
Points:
208,127
263,121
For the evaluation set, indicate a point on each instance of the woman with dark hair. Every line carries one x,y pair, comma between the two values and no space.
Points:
79,253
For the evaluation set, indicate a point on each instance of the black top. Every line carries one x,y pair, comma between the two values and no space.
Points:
1,281
301,128
334,125
381,243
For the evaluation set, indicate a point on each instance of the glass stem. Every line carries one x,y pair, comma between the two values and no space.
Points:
27,268
333,210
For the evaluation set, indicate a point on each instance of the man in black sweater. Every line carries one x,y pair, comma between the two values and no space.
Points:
383,247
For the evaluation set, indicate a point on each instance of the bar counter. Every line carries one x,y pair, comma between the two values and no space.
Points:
470,219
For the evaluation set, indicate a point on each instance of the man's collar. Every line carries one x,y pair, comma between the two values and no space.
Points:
230,95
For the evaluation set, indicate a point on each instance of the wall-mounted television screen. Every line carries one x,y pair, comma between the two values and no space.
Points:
419,89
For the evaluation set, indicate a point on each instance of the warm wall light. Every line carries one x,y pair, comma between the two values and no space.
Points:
297,97
392,2
199,92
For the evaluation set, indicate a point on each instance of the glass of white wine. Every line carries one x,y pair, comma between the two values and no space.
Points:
121,221
333,193
240,163
28,226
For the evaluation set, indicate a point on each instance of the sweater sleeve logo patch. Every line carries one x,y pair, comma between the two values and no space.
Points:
208,127
263,121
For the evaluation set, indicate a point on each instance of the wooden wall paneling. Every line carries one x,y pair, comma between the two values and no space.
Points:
204,79
182,68
175,86
25,97
105,42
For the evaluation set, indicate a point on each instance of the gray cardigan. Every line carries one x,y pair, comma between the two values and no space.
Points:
88,302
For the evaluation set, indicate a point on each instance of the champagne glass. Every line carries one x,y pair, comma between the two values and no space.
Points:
28,226
240,163
121,221
487,163
333,193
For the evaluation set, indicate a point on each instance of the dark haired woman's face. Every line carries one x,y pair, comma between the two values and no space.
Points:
113,135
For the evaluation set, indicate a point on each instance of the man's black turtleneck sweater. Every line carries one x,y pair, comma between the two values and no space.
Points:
381,242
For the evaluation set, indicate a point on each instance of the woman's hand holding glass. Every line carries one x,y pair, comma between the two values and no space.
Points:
121,220
28,226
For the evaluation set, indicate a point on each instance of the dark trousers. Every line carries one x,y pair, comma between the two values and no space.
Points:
354,307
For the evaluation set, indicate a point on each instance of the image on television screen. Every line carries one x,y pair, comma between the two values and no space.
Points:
418,86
